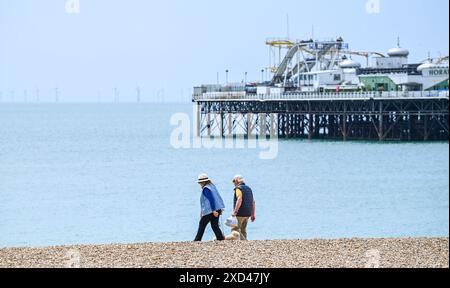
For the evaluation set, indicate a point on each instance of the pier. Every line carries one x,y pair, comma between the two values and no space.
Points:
319,91
372,116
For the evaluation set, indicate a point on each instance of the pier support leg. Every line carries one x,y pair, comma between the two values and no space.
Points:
273,125
222,125
344,129
381,123
199,120
249,125
208,123
230,124
262,125
409,127
310,126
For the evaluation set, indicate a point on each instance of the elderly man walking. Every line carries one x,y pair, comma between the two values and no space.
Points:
244,206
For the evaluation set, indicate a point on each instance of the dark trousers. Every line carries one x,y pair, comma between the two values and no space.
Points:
214,225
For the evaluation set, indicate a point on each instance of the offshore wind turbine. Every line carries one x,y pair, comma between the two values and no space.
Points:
138,94
37,95
56,95
116,95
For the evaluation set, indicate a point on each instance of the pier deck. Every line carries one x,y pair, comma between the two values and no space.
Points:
381,116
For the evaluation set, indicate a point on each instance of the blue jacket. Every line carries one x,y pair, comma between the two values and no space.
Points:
211,200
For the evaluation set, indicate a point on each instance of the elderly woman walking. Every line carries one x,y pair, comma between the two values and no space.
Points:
212,206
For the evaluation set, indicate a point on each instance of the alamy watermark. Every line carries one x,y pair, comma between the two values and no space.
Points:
373,6
373,259
72,259
72,7
183,136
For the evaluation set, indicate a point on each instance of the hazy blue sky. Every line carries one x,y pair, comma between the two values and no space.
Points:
176,44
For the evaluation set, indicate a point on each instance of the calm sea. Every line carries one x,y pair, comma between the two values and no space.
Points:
88,174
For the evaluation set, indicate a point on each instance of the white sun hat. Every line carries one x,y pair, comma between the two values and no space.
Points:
202,178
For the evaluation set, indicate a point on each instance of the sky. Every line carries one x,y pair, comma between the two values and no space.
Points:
167,47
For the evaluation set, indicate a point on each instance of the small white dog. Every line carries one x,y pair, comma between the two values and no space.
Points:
234,236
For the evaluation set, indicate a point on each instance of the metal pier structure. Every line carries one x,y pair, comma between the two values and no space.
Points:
319,91
373,116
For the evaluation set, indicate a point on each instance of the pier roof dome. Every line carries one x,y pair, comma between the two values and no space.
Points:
398,52
349,63
426,65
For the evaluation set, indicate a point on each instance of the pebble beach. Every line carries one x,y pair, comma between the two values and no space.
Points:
343,253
